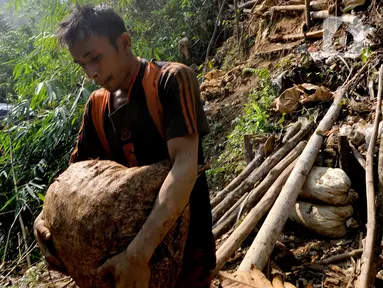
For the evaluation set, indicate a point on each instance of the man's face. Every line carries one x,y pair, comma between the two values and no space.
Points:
102,62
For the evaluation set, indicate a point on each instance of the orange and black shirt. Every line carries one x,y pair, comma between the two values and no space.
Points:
132,137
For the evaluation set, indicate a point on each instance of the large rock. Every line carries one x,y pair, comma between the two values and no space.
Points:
94,210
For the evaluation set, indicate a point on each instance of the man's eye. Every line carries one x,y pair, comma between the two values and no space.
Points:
96,58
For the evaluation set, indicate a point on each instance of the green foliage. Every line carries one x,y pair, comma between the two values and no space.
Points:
254,121
157,26
47,92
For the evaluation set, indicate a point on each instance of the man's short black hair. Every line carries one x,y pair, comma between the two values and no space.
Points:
100,20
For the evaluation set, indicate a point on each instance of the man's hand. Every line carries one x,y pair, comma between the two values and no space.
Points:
44,239
128,270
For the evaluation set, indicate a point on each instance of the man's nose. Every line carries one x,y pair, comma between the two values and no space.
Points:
92,72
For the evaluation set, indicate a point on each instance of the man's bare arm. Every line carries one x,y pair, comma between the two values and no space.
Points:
172,198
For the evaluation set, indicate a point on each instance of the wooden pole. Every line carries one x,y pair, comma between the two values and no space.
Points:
249,223
263,244
307,14
258,159
365,278
258,192
259,173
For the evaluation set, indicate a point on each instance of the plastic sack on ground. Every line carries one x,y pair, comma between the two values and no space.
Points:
325,220
328,185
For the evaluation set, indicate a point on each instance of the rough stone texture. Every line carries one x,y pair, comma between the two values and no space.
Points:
94,210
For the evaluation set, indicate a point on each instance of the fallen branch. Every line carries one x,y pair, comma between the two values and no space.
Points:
365,278
358,156
298,36
238,180
251,220
263,244
340,257
288,8
258,192
259,173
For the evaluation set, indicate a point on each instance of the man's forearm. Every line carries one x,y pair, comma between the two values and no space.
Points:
169,205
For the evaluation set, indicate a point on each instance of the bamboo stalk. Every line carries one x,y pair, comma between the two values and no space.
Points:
22,226
365,278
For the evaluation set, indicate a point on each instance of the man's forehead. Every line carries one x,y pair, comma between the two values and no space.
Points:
84,39
83,46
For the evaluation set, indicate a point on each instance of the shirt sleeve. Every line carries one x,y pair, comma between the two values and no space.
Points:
180,97
88,146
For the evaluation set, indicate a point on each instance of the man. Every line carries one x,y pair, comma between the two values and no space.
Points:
147,112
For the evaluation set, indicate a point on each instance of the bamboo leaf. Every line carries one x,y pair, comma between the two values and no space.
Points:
31,192
8,202
41,197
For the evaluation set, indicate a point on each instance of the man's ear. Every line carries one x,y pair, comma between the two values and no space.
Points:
126,42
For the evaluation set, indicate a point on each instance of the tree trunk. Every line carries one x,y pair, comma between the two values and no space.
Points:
259,173
248,224
366,276
263,244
